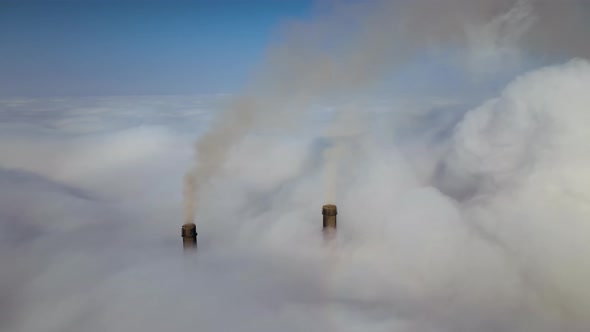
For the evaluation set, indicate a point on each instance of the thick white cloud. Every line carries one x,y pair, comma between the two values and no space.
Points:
526,154
495,240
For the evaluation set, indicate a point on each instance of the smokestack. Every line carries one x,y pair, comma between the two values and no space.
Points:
329,212
189,236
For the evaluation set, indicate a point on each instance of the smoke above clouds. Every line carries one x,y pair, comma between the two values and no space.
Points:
452,217
353,47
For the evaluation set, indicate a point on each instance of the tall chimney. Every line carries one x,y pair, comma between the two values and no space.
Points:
329,212
189,236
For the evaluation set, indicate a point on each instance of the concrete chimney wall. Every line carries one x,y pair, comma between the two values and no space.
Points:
329,212
189,236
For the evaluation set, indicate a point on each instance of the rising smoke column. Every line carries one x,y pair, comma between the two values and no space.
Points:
350,47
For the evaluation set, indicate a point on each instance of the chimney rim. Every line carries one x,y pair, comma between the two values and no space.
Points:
329,209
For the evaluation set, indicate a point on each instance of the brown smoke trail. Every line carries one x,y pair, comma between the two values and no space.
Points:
348,125
190,200
351,46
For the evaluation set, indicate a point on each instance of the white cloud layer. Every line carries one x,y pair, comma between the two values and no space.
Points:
482,228
456,214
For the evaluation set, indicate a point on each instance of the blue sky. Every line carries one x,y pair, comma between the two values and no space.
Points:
126,47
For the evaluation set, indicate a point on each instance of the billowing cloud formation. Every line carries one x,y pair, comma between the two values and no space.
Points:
523,156
452,217
494,238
